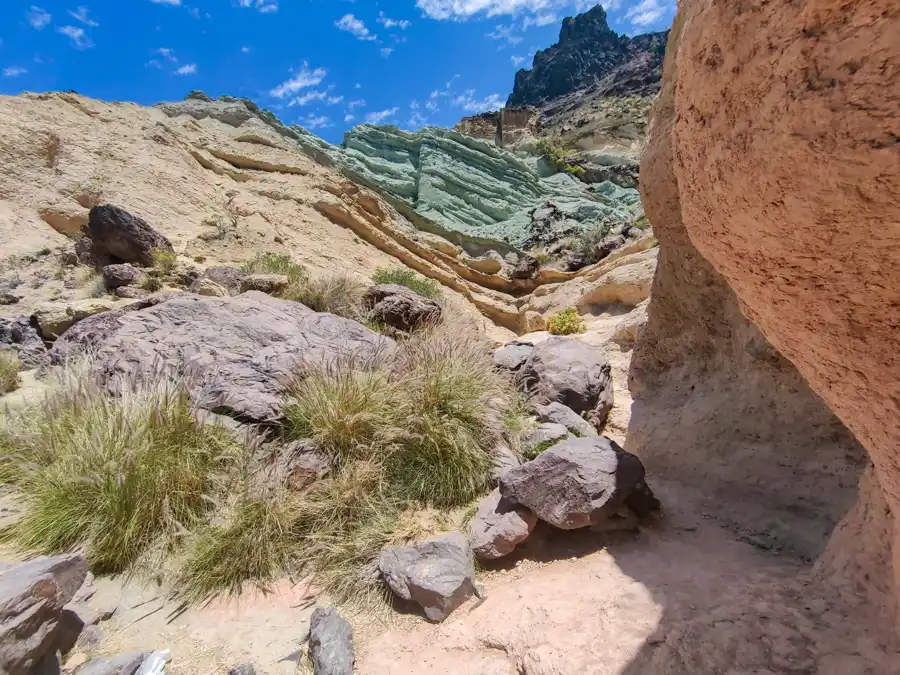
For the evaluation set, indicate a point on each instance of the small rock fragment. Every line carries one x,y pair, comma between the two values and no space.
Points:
560,414
330,643
499,526
271,284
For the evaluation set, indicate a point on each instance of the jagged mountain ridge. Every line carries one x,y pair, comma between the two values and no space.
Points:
590,53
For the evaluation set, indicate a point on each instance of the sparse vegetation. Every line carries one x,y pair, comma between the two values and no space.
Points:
9,371
586,245
279,263
404,276
164,261
566,322
558,158
339,294
540,255
151,283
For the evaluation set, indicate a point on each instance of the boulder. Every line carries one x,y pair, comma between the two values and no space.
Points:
54,319
131,293
272,284
227,277
502,459
533,322
513,355
539,439
330,643
118,236
208,287
238,352
400,307
570,372
499,526
22,335
115,276
579,482
32,597
123,664
438,575
10,298
526,268
83,252
556,413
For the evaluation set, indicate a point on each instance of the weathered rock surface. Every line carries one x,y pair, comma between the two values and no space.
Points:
56,318
570,372
438,575
499,526
115,276
237,352
118,236
123,664
557,413
513,355
32,597
540,438
589,52
22,335
400,307
208,287
271,284
227,277
502,459
577,482
242,669
330,643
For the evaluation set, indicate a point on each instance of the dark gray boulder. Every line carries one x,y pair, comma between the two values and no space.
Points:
512,355
557,413
123,664
570,372
236,354
499,526
400,307
579,482
23,336
32,621
502,459
228,278
526,268
118,236
541,437
438,575
330,643
115,276
243,669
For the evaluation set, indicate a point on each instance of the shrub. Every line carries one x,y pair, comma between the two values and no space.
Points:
566,322
114,476
276,263
586,244
403,276
339,294
164,261
9,371
558,158
151,283
540,255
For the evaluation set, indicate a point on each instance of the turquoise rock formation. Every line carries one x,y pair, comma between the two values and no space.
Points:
467,189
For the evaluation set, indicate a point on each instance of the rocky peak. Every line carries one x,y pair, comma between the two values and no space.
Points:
589,52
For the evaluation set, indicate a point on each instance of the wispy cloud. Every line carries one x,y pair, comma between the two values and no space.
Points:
387,51
357,28
174,3
381,115
462,10
167,54
334,100
506,34
646,12
402,24
187,69
81,14
313,122
262,6
77,35
469,103
308,98
517,60
38,17
349,118
359,103
416,121
245,50
301,80
542,20
14,71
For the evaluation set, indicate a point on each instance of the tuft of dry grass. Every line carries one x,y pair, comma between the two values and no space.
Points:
338,294
9,371
403,276
164,261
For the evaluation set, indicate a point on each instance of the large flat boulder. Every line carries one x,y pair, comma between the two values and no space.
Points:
579,482
235,353
32,597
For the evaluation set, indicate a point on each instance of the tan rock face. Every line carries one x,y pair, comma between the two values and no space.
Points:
774,150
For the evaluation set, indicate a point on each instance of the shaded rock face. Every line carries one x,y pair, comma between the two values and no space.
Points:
115,276
32,597
227,277
22,335
123,664
557,413
272,284
118,236
716,405
400,307
579,482
438,575
589,52
330,643
499,526
236,353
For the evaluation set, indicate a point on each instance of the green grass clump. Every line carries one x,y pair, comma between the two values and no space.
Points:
114,476
276,263
338,294
164,261
151,283
403,276
558,158
9,371
566,322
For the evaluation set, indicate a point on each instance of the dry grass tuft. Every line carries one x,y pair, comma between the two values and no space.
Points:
9,371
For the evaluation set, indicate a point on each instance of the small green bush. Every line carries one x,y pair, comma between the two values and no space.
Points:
558,158
9,371
276,263
403,276
566,322
164,261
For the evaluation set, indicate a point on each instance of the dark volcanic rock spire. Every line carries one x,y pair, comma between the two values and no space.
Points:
588,53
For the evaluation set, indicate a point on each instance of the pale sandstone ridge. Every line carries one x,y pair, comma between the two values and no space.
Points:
774,149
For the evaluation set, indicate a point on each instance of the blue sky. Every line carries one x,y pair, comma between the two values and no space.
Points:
324,64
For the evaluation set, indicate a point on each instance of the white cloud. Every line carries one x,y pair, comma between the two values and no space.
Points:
174,3
647,11
432,106
312,122
402,24
382,115
356,104
351,24
245,50
167,54
348,117
505,33
543,19
194,12
82,15
308,98
414,105
77,36
462,10
187,69
469,103
357,86
416,121
263,6
301,80
38,17
387,51
334,100
517,60
14,71
153,63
